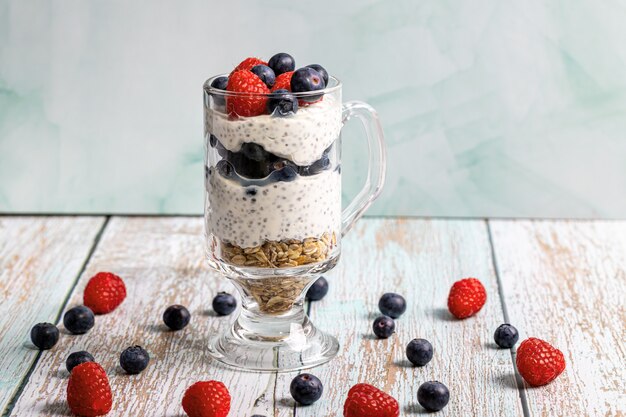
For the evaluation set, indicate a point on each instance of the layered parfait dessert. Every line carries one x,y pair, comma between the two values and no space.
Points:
272,164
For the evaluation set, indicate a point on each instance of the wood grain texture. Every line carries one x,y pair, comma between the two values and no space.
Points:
162,262
419,259
565,282
40,258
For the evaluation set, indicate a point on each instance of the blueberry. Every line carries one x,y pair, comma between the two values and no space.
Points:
433,395
134,359
213,141
392,305
305,80
79,320
282,62
286,174
419,352
318,290
225,168
306,389
506,336
254,152
316,167
44,335
76,358
266,74
219,83
176,317
224,304
321,70
281,103
384,327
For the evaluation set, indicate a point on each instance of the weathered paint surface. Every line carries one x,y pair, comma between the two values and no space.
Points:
561,281
40,258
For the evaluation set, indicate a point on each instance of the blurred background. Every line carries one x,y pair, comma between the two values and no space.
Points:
490,107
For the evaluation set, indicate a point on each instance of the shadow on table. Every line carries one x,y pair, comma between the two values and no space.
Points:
56,408
441,314
415,409
506,380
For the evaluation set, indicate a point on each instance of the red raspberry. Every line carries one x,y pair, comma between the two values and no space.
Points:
104,292
252,104
283,81
539,362
466,298
248,63
365,400
207,399
88,390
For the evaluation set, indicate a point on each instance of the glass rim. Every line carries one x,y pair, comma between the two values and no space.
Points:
334,81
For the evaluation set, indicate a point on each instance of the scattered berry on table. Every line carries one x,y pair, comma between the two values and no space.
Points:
466,298
365,400
283,82
76,358
246,105
207,399
176,317
281,103
506,336
322,72
224,304
78,320
44,335
306,389
318,290
539,362
281,63
305,80
265,73
248,63
419,352
134,359
433,395
392,305
88,390
104,292
384,327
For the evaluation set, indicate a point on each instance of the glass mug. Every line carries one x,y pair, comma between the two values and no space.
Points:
273,216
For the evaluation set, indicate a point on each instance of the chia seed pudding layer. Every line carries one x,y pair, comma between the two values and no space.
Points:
248,217
301,138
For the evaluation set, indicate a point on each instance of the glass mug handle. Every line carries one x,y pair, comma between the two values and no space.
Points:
376,162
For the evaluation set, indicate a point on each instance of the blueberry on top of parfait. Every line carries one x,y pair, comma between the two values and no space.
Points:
282,62
282,103
219,83
305,80
265,73
321,70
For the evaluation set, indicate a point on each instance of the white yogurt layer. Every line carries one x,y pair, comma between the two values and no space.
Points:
305,207
301,138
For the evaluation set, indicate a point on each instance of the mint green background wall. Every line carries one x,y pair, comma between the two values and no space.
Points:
491,107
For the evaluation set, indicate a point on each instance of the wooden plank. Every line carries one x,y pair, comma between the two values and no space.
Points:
419,259
40,258
565,282
162,262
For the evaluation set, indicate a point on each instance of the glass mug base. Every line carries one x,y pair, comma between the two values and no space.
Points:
273,332
304,347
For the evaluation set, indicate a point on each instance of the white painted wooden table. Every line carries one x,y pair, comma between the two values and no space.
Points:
563,281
